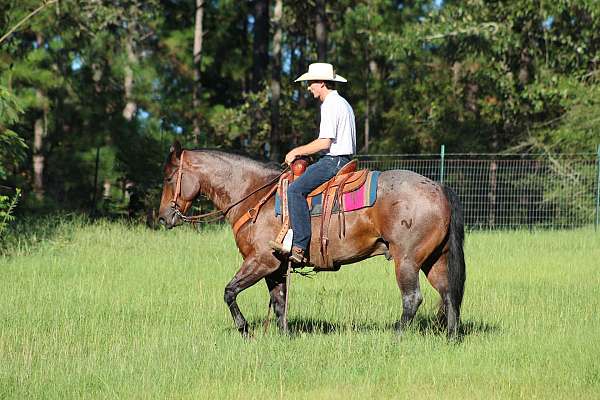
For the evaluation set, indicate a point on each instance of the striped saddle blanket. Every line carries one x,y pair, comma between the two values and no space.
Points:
362,197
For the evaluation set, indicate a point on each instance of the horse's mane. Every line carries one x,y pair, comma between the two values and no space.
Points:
245,159
236,155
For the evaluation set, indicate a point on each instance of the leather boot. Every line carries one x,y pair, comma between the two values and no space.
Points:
297,255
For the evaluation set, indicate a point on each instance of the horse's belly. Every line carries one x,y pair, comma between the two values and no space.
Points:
356,242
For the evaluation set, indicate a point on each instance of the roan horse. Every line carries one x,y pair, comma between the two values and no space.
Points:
415,221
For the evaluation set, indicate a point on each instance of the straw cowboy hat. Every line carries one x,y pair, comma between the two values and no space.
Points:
321,72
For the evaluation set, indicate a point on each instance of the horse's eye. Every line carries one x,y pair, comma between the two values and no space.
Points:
169,179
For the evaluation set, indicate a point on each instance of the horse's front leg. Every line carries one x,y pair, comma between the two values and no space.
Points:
253,269
276,283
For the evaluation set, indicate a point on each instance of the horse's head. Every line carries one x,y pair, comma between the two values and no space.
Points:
180,187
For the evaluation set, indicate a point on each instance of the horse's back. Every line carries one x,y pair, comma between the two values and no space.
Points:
412,206
410,187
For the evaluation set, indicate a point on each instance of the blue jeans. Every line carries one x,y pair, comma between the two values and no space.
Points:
315,175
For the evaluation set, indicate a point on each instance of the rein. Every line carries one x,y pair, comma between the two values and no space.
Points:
219,214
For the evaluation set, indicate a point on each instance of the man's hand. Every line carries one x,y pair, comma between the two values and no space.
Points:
313,147
290,157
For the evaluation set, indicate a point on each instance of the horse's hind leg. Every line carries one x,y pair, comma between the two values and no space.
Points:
437,275
407,276
276,285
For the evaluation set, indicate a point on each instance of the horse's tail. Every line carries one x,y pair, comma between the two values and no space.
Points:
456,260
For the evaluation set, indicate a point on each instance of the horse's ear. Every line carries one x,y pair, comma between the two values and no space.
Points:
176,148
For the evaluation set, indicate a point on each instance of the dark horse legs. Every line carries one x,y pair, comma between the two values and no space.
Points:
252,270
407,276
276,284
437,274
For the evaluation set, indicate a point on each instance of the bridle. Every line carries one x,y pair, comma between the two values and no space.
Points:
177,193
216,214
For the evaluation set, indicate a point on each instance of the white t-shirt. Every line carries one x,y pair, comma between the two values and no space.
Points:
337,123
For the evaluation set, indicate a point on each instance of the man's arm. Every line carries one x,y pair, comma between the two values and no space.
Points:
313,147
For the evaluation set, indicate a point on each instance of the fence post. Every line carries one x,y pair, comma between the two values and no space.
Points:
597,191
442,155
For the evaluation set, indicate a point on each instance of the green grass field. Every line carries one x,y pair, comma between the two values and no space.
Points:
107,310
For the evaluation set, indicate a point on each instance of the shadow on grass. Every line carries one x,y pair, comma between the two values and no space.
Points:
428,324
423,324
299,326
318,326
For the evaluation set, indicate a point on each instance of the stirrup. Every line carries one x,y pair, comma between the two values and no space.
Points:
297,256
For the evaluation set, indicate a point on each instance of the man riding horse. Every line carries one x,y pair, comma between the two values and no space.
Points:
415,221
337,144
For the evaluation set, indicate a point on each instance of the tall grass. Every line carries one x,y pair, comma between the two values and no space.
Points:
107,310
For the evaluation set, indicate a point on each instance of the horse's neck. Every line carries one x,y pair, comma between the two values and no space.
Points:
225,178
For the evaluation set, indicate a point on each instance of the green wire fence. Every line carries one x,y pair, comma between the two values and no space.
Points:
511,190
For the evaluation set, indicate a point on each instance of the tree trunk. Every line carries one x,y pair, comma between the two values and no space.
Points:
38,156
96,170
39,132
245,46
132,60
97,78
302,103
370,107
302,69
321,31
276,82
367,126
107,188
197,61
260,59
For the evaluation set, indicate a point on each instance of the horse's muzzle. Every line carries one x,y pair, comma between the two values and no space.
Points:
169,220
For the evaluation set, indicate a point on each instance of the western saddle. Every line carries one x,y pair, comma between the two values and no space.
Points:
346,180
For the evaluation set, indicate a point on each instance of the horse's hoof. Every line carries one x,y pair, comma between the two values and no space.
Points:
245,333
453,336
398,328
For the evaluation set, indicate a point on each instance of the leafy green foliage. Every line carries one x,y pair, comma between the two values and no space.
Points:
12,146
477,76
7,208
